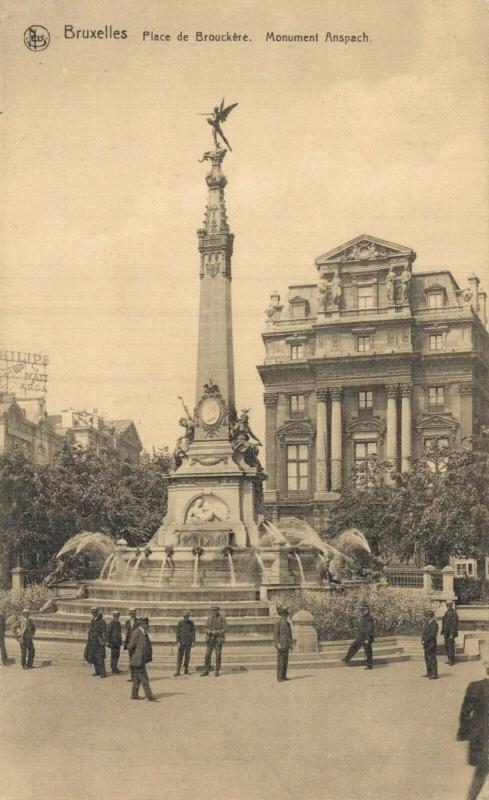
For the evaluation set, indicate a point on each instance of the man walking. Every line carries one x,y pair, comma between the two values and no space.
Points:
114,641
474,728
185,642
364,637
95,647
3,649
282,637
25,631
215,635
131,624
140,654
428,639
449,629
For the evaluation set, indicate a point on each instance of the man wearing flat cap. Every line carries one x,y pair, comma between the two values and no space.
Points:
215,634
25,630
131,624
114,641
282,638
96,640
363,638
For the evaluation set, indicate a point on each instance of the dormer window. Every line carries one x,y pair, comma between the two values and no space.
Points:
299,308
436,296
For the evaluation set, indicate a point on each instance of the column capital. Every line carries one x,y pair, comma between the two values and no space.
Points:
392,389
406,389
270,399
336,392
322,395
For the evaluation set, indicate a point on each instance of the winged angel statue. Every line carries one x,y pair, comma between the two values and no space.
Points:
219,115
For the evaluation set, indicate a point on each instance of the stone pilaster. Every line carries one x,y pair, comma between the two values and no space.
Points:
270,400
406,427
391,439
321,444
336,440
466,412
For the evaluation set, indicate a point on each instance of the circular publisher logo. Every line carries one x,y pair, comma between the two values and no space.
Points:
36,38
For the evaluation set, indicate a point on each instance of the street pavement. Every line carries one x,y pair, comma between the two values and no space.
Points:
327,734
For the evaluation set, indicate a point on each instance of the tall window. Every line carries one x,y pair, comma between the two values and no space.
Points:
436,341
297,467
436,441
297,404
363,451
435,299
365,403
296,352
363,344
365,297
436,395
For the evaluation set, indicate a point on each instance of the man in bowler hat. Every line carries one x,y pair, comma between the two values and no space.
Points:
140,653
474,728
215,634
114,641
185,642
449,630
131,624
364,638
428,639
282,638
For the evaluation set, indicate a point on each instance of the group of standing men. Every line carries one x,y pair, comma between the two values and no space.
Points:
449,629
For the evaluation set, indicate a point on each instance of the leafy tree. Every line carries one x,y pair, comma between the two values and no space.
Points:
439,508
42,506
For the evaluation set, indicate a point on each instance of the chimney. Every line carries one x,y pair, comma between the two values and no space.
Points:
474,287
483,302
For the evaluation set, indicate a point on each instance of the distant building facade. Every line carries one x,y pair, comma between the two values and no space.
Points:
373,359
25,423
88,429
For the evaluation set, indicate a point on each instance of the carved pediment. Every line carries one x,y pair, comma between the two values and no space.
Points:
436,422
372,425
299,429
363,249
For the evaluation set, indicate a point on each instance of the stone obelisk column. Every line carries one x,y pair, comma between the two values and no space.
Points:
215,362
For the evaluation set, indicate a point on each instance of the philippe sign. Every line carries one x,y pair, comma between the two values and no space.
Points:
23,374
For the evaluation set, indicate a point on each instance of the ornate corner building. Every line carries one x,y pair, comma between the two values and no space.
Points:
373,359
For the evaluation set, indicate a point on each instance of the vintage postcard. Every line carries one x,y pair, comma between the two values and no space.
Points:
244,400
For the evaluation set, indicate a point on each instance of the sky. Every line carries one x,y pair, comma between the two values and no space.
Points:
102,194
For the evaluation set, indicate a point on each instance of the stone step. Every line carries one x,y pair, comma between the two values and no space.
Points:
101,589
170,609
236,625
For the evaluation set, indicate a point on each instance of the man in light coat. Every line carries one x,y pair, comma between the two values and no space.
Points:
25,631
140,653
282,638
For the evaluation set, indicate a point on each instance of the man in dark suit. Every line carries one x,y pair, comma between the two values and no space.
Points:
282,638
449,629
474,728
25,630
95,647
363,638
215,634
140,653
185,642
428,640
114,641
3,650
131,624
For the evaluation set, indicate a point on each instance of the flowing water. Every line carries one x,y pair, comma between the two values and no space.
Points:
261,563
231,569
136,567
105,567
160,578
301,569
196,570
88,540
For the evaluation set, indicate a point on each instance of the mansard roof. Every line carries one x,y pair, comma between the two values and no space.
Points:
364,248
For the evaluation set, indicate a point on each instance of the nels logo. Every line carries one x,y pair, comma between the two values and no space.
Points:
36,38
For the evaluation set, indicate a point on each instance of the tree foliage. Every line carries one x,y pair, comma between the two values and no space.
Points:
439,508
42,506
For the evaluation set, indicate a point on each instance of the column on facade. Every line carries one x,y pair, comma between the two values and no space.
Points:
391,443
406,427
466,412
336,440
321,441
270,399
